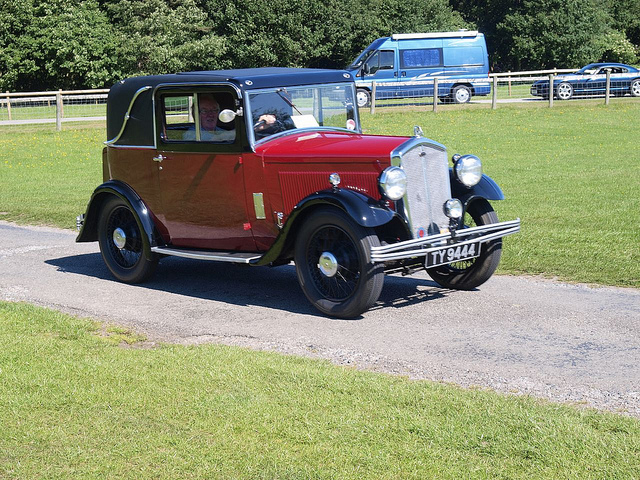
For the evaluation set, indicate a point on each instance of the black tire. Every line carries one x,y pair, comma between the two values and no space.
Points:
363,97
461,94
121,243
564,91
469,274
347,284
634,88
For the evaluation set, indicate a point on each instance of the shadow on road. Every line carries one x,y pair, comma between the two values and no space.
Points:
244,285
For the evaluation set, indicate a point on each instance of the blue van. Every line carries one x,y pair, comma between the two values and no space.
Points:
403,64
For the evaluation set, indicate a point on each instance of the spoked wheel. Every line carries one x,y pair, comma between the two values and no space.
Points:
333,263
121,243
565,91
634,89
468,274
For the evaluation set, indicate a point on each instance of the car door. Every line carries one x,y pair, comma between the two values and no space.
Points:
381,67
200,171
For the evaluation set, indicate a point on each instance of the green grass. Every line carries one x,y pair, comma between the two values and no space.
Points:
73,404
47,177
571,173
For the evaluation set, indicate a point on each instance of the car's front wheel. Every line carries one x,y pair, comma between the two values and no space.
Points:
635,88
333,263
121,243
468,274
565,91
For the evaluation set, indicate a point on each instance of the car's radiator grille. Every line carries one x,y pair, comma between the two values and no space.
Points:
428,187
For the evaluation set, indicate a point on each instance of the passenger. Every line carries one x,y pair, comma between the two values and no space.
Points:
210,131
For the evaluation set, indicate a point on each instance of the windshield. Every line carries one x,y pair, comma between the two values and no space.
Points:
588,70
275,110
357,63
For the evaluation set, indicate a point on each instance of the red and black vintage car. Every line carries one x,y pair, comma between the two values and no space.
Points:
266,166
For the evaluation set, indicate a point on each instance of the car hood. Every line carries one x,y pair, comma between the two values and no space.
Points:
322,146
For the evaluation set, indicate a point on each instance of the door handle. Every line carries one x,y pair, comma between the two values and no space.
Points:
159,158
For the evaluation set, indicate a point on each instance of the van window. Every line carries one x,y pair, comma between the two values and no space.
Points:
421,57
463,56
381,60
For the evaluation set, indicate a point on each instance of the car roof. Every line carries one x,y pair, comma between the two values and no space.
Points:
133,97
609,64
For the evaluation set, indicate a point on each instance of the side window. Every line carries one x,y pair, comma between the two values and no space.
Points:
381,60
194,117
421,57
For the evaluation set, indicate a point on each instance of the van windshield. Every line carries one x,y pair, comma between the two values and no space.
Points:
357,63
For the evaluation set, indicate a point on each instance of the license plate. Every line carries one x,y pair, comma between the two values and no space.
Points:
454,253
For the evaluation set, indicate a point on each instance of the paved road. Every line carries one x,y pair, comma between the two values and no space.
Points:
517,335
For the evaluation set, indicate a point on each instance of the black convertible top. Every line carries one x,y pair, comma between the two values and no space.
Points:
139,127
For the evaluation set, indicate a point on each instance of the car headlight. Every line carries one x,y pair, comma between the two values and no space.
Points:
393,182
468,169
453,208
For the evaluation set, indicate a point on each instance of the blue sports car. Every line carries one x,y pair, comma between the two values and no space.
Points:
591,80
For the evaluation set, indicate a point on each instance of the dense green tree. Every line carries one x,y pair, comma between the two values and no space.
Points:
55,44
319,33
524,34
163,36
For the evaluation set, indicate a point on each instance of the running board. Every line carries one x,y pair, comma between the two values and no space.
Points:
208,255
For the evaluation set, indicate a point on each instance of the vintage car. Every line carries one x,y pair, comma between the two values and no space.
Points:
591,80
268,166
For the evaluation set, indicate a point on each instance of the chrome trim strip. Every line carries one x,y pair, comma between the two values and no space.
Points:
127,115
134,146
203,255
416,247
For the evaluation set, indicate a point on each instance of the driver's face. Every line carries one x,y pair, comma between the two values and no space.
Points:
209,110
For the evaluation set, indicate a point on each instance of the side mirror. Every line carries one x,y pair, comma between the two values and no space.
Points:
365,69
226,116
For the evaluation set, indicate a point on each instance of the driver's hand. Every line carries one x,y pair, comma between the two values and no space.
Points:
265,121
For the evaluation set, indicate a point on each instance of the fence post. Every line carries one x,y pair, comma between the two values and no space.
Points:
59,112
550,90
607,90
509,72
494,93
373,97
435,94
9,105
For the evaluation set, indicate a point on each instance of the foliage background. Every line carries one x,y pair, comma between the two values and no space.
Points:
50,44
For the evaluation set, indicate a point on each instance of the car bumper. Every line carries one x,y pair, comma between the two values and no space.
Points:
421,247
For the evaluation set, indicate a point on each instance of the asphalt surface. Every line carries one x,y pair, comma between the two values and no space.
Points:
518,335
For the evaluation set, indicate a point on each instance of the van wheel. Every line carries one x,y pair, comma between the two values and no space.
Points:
461,94
363,97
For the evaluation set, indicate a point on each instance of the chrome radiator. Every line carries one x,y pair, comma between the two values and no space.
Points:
426,165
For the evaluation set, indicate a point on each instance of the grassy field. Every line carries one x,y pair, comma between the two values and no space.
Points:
75,404
571,173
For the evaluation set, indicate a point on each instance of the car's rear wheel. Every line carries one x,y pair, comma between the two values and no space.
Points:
469,274
333,263
635,88
363,97
121,243
564,91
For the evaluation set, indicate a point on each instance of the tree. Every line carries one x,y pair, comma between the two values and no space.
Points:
55,44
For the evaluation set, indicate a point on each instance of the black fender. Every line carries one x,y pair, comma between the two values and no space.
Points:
89,230
486,188
364,210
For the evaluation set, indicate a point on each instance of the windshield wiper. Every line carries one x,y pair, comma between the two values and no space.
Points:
287,99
